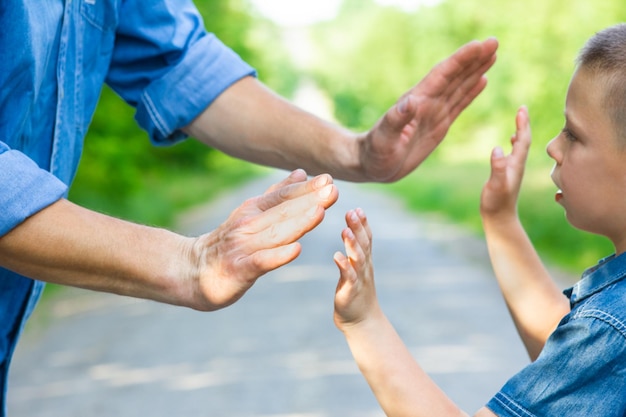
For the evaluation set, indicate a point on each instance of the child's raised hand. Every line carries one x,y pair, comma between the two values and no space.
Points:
499,195
355,297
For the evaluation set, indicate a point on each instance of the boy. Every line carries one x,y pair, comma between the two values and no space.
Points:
577,343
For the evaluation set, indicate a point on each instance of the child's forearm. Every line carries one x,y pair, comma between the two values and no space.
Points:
534,300
398,382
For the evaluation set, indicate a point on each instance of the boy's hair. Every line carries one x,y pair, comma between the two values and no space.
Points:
605,54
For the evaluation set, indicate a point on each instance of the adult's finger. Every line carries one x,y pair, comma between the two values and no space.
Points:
472,57
461,70
469,83
266,260
289,221
463,97
296,176
291,190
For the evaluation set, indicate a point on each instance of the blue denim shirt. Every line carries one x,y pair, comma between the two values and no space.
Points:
55,56
582,368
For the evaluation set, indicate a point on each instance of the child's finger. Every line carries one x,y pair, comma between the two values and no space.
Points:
341,261
521,144
338,257
361,213
354,251
498,167
362,235
346,271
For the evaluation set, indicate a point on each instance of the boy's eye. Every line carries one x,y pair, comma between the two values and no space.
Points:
568,135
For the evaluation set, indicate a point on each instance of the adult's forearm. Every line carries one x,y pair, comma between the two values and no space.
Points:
70,245
251,122
534,300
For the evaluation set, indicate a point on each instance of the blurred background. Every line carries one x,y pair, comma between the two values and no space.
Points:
349,61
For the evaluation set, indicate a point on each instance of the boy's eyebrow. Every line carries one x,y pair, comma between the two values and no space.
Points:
571,126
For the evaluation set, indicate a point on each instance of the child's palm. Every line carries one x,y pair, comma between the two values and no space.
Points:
500,193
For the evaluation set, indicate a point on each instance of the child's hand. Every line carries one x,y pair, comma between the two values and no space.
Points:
355,297
499,196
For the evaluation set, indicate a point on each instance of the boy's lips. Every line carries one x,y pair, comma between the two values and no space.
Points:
558,196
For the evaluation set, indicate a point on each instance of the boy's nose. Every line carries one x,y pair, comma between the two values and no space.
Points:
552,148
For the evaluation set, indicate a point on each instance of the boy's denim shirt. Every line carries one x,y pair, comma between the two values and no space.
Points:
582,368
54,59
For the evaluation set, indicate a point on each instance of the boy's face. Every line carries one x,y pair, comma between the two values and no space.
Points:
590,169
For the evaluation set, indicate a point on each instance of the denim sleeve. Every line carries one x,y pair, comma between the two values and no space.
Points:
168,67
25,189
580,372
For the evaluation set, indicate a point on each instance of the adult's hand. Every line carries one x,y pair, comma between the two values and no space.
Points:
70,245
419,121
259,236
251,122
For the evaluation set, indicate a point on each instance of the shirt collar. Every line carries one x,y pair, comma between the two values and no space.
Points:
608,271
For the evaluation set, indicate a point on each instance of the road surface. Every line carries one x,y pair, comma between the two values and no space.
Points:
276,352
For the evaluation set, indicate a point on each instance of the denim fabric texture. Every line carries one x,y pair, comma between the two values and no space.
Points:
55,57
582,368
